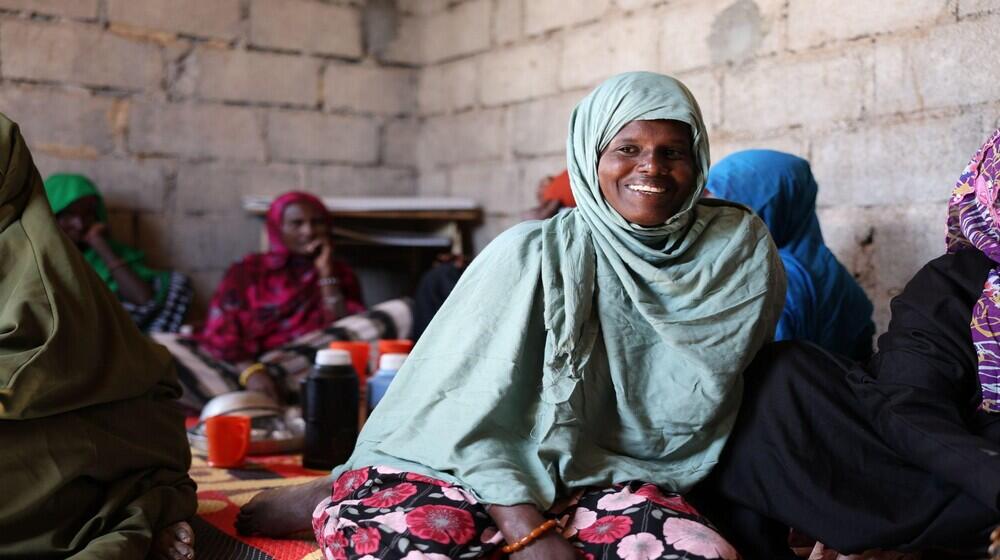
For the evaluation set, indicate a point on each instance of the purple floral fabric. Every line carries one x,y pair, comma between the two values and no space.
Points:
974,222
379,512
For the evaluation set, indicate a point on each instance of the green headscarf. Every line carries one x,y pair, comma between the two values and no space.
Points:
63,189
94,456
585,350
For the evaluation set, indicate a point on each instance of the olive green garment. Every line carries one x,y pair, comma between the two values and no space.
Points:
585,350
94,458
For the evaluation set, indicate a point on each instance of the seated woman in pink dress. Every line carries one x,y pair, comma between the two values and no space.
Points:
268,299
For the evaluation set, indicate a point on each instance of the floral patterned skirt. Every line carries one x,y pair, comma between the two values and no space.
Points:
379,512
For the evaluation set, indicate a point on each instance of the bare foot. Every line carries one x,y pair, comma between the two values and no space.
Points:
283,511
175,542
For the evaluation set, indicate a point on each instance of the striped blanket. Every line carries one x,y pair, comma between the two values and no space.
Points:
204,377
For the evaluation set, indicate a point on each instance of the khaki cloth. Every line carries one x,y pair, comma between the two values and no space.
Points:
93,456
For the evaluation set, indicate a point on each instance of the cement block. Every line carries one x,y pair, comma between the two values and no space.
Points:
518,73
463,29
814,22
218,18
793,142
630,5
540,127
849,232
195,131
382,90
198,244
747,29
126,184
255,76
598,51
306,25
546,15
421,7
341,180
399,142
75,124
310,136
407,46
881,165
706,86
433,183
77,54
452,86
920,230
974,7
472,136
699,33
935,72
684,32
798,91
896,88
508,21
495,185
218,187
83,9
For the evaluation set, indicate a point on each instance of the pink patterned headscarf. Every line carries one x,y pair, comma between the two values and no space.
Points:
974,222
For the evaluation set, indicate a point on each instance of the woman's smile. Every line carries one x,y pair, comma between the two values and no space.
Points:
645,189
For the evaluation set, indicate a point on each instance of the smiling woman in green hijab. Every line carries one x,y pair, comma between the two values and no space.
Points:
586,369
156,299
94,457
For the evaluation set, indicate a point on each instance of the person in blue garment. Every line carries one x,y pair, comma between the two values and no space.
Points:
823,303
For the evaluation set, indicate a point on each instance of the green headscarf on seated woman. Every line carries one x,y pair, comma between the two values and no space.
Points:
587,350
62,190
94,456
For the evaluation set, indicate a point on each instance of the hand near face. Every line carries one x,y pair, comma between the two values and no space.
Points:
97,234
323,261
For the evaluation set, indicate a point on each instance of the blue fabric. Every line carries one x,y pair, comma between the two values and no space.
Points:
823,302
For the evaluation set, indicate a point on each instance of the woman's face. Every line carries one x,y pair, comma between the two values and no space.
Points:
647,172
77,218
301,226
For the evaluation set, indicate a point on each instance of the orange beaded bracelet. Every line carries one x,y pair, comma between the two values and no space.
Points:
529,538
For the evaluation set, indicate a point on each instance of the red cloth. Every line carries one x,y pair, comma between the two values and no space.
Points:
268,299
558,189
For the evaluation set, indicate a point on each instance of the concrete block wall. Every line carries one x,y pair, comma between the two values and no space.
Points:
177,108
888,100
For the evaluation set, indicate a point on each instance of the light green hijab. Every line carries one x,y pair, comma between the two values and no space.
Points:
585,350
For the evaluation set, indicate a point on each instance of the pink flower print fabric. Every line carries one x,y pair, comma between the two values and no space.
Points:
383,513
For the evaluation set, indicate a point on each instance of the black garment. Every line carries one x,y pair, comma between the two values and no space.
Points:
433,289
894,455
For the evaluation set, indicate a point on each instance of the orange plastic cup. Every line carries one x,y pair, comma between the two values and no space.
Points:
394,346
228,440
360,353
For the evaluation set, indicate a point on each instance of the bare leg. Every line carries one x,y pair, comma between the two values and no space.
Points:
283,511
175,542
